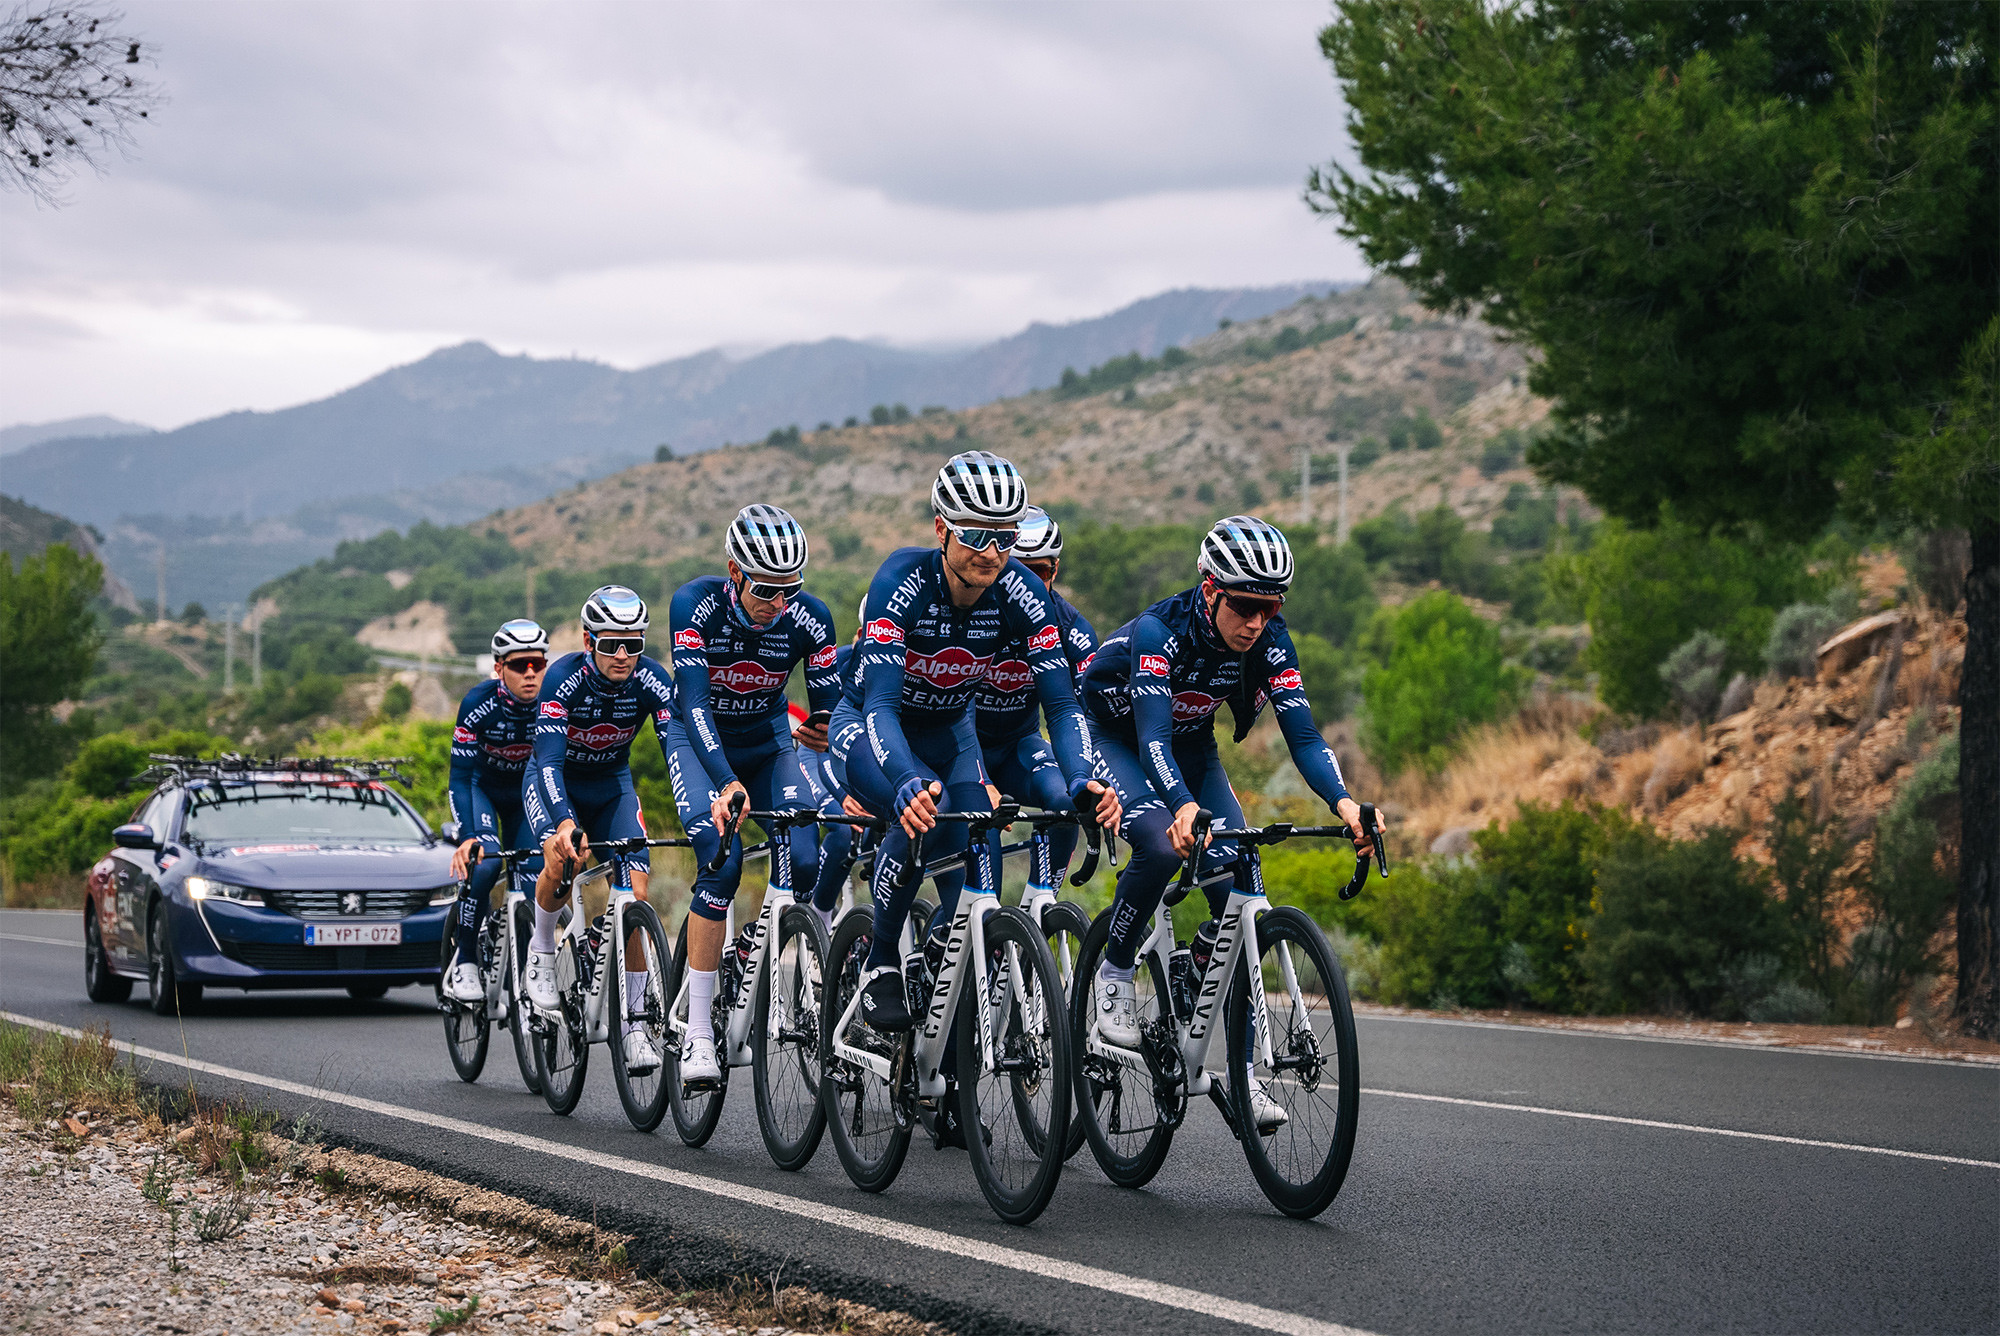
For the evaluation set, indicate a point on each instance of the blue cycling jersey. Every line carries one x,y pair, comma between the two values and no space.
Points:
1160,678
489,747
922,658
730,676
584,728
1005,702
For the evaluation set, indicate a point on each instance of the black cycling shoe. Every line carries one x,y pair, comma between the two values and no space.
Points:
949,1131
884,1003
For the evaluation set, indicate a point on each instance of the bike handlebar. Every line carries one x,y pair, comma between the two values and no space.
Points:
1204,831
738,801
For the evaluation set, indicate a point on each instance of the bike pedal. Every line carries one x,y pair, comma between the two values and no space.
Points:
689,1089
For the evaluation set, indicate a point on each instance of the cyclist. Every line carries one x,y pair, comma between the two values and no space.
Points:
736,639
829,776
489,752
937,616
580,778
1019,760
1152,693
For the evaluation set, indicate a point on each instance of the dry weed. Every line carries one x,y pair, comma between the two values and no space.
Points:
1677,763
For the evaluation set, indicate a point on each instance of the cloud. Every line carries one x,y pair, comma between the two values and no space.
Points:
336,187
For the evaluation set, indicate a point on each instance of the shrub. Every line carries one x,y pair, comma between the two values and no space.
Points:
1797,632
1501,453
1331,594
1330,677
1541,867
1439,669
1910,883
1693,674
396,700
103,764
1439,926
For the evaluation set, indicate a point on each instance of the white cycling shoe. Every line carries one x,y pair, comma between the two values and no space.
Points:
1264,1111
542,980
641,1058
1117,1011
464,984
699,1068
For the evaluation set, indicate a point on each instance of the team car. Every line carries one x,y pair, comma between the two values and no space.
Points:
293,873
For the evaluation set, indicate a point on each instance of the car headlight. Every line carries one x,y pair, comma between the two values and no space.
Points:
444,895
205,888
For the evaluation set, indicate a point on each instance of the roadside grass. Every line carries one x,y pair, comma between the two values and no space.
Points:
51,1077
61,891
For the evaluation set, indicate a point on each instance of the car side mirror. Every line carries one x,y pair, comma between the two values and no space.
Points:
138,835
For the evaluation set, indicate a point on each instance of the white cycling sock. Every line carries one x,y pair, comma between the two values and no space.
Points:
543,938
701,1001
635,996
826,917
1110,973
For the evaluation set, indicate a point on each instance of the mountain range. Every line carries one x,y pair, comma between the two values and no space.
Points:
235,499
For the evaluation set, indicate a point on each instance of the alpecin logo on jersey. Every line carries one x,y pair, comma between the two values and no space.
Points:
554,709
512,752
746,677
823,657
687,638
1289,680
952,666
1046,638
602,737
882,631
1088,659
463,734
1155,664
1009,676
1195,705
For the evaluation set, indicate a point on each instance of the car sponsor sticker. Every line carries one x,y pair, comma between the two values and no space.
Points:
745,677
274,848
1046,638
687,638
1155,664
882,631
824,657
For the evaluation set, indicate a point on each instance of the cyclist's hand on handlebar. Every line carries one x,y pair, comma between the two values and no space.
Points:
461,860
558,852
916,806
1349,811
1181,833
718,809
811,737
851,806
1109,810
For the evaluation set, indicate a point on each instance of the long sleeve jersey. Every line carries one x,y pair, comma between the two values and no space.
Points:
729,677
1163,675
490,746
585,723
1005,705
922,658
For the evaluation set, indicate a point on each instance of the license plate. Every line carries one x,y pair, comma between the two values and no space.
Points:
354,934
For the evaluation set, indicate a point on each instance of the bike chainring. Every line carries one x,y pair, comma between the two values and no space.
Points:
1158,1041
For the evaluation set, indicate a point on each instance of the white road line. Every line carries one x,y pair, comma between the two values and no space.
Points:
916,1236
1686,1127
39,941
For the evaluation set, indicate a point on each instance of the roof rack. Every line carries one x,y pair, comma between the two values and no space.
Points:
301,770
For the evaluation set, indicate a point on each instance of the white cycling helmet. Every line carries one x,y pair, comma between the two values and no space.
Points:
1245,553
614,610
1041,536
764,540
519,636
979,487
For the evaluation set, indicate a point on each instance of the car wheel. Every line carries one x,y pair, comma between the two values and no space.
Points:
99,983
367,992
171,997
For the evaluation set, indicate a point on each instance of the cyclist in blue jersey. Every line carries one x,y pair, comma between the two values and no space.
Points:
580,779
489,753
736,640
936,618
830,777
1152,693
1019,760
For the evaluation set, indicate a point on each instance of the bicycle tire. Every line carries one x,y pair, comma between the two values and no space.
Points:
1018,1173
644,1097
695,1116
1130,1151
466,1031
1065,925
517,1007
785,1065
562,1046
1301,1180
867,1136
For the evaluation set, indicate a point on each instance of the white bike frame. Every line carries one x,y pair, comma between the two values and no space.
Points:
597,999
736,1037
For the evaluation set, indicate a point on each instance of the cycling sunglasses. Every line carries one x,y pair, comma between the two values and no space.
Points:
525,665
613,646
771,593
980,539
1247,608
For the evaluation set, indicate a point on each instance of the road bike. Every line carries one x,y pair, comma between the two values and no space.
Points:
989,1054
766,1009
503,966
1300,1049
591,965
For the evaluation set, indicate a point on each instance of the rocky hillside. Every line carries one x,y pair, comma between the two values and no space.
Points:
1222,431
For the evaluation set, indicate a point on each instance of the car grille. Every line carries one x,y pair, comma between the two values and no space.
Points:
331,959
325,905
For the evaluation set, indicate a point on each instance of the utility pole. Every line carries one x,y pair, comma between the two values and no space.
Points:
257,650
1340,530
1305,484
229,649
160,568
531,594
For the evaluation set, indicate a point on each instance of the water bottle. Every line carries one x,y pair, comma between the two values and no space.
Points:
746,943
593,944
1180,981
1203,947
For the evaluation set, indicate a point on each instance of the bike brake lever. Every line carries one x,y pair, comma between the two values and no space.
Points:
1093,843
1373,831
737,802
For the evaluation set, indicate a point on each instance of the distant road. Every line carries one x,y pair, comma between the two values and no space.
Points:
1504,1180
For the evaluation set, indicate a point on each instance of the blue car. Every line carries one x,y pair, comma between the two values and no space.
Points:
284,874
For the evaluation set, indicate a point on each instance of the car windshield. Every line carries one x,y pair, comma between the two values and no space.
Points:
296,814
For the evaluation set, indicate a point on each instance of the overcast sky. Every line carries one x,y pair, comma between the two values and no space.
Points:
338,187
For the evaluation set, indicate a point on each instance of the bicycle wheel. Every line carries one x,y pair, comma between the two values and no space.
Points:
1015,1111
562,1045
466,1032
517,1007
869,1134
784,1040
1128,1116
1315,1074
643,1095
696,1115
1065,925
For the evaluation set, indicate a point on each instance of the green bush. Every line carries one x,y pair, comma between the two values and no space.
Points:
1542,869
1908,888
1796,634
1332,678
1693,674
1439,928
1439,669
397,699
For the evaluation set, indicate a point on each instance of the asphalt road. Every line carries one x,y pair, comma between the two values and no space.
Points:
1478,1199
